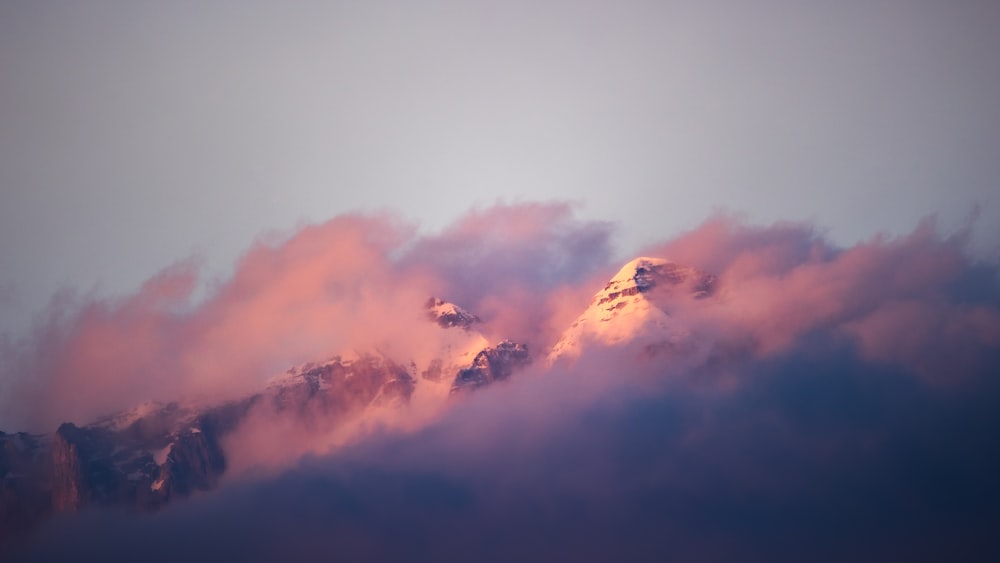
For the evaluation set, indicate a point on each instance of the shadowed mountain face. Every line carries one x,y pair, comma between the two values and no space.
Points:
146,457
166,454
490,365
169,451
93,466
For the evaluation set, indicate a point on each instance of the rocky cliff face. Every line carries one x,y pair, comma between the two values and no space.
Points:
139,467
96,466
69,480
492,364
195,462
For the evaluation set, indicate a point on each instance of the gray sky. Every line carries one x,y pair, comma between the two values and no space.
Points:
134,134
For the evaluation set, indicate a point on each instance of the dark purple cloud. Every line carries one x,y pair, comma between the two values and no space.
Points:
822,456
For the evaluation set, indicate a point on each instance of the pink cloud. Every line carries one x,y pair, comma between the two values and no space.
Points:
328,288
780,283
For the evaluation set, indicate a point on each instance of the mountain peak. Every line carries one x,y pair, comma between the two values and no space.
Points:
636,302
449,315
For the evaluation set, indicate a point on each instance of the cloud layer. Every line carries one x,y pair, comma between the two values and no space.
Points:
354,282
840,403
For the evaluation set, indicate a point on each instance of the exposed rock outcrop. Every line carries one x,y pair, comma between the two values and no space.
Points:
492,364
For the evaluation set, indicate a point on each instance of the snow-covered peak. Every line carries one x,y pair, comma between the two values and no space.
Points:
636,267
645,274
449,315
635,304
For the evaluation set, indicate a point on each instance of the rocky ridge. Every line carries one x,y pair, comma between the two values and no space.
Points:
145,457
154,453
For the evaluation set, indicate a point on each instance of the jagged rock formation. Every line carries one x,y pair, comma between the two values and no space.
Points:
133,467
492,364
140,466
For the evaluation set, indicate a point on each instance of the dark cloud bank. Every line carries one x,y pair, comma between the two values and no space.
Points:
844,406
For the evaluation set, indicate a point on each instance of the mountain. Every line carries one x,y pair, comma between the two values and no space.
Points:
635,307
145,457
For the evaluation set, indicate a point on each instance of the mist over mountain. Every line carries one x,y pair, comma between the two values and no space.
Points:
496,391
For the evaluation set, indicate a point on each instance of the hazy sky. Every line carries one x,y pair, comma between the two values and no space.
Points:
134,134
